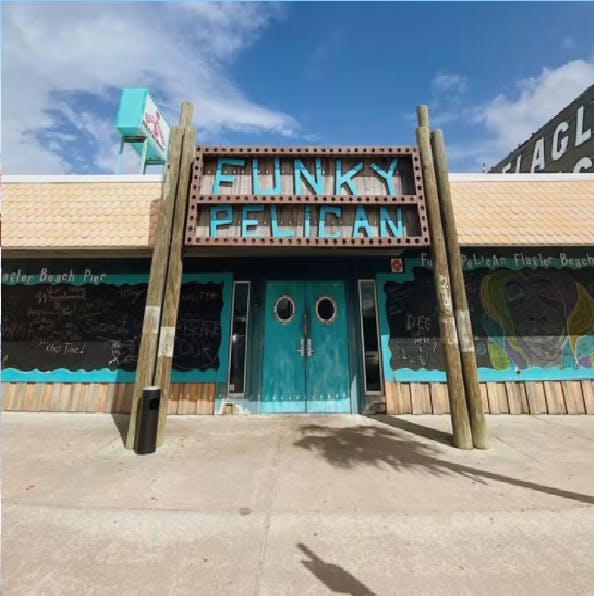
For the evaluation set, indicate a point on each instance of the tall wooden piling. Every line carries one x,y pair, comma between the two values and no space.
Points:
147,352
174,274
460,423
463,325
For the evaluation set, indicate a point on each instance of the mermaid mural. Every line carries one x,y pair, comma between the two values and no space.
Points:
537,319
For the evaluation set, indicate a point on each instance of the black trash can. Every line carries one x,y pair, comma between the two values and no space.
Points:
147,421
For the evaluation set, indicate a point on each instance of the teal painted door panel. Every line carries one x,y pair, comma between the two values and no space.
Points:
283,383
327,368
297,379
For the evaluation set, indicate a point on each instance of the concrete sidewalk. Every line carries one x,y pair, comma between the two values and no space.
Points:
297,505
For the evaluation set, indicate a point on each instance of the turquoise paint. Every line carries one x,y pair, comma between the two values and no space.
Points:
346,178
62,375
227,178
130,111
276,232
386,175
294,383
396,229
299,171
248,223
307,221
361,222
283,387
216,221
276,189
407,375
324,210
129,122
327,369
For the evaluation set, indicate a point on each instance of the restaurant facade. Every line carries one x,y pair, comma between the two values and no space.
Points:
307,287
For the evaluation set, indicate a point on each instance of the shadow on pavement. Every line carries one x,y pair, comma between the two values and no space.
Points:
334,577
121,423
375,445
416,429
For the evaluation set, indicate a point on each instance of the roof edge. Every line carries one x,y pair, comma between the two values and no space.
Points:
78,178
561,177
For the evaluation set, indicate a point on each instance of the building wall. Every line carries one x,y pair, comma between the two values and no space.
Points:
71,330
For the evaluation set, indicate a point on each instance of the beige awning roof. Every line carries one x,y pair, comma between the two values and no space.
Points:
120,212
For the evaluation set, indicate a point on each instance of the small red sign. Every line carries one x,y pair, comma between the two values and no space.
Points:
396,265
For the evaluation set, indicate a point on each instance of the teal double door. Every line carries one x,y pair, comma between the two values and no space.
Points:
305,360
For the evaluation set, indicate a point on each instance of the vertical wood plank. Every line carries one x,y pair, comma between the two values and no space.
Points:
171,404
46,399
127,399
439,398
109,398
28,397
118,398
405,399
574,400
484,397
554,397
92,398
83,397
588,395
420,398
391,402
66,397
193,389
37,396
536,397
493,398
514,397
8,392
55,398
101,397
502,396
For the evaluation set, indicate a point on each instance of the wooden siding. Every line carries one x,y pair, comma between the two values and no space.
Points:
534,397
186,398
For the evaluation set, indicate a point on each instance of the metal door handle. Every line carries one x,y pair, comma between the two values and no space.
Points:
309,348
301,348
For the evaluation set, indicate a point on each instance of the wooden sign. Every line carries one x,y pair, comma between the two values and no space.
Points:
265,196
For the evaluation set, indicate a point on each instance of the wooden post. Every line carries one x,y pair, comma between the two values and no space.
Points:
464,327
460,423
174,275
147,352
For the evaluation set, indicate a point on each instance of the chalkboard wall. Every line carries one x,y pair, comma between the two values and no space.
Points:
98,327
521,319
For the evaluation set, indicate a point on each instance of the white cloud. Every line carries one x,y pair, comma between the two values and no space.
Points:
448,97
51,51
511,120
444,82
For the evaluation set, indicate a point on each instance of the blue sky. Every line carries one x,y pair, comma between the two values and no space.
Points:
288,74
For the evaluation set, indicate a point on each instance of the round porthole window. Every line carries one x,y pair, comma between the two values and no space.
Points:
284,309
326,309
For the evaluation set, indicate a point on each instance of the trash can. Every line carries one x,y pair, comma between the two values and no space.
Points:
147,421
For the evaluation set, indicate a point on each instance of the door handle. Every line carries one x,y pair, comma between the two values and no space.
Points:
309,348
301,348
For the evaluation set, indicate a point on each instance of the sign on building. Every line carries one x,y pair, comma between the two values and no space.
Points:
142,125
564,144
329,197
